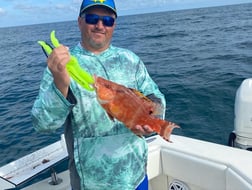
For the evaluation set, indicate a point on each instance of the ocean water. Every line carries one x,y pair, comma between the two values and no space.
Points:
198,57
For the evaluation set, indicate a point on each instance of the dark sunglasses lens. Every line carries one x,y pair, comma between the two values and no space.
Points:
91,19
108,21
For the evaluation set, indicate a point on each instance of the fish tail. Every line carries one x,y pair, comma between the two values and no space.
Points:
166,130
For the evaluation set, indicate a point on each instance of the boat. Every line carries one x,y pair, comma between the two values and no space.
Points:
184,164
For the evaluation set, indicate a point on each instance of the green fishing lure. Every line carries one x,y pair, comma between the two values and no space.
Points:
75,71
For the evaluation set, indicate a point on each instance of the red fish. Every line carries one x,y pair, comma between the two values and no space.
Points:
131,107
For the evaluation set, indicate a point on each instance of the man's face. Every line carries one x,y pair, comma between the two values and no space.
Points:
96,37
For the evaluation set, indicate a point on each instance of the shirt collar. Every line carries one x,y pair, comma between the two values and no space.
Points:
102,54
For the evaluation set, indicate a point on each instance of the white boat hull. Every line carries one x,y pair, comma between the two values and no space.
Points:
199,165
186,164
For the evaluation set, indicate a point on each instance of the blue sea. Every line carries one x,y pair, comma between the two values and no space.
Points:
198,57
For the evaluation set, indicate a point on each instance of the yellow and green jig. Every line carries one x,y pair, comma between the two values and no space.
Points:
75,71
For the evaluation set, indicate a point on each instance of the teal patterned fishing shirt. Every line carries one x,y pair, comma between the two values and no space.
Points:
107,154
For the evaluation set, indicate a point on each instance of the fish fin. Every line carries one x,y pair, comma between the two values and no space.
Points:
155,108
158,110
167,130
102,101
141,95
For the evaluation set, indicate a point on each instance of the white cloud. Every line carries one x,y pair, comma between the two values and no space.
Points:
31,11
77,2
2,11
25,7
61,6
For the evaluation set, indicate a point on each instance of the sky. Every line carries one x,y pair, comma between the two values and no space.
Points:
27,12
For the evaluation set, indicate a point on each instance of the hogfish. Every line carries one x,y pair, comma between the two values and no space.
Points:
131,107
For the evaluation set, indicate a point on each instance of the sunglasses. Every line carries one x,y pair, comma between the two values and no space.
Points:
93,19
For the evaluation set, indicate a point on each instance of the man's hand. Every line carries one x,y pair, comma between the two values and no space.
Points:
142,130
56,62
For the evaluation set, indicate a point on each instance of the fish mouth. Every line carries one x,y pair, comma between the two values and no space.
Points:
101,101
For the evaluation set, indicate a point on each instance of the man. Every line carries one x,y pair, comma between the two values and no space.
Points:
104,154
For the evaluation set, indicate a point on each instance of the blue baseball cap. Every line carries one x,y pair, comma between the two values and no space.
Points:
90,3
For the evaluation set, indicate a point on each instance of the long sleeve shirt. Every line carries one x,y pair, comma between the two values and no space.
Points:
107,155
